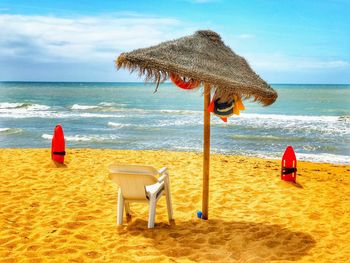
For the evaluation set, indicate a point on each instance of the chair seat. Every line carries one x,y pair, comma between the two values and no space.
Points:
156,189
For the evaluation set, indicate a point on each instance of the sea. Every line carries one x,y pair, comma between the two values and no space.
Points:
314,119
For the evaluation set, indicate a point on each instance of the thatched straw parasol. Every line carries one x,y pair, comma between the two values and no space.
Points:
204,58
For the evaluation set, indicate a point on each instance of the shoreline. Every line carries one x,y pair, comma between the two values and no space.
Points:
192,152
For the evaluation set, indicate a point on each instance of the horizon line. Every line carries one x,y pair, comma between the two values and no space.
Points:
143,82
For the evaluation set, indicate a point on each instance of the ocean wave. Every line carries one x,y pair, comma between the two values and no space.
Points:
187,148
290,126
27,106
288,118
112,104
120,107
155,124
54,114
308,157
191,113
83,107
10,130
118,125
47,136
8,105
344,118
179,122
101,107
324,158
83,138
286,124
266,138
179,112
183,117
243,116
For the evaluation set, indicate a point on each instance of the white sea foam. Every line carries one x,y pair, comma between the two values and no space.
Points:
155,124
324,158
248,116
179,122
38,107
83,138
8,105
107,104
112,104
188,148
79,138
96,115
257,137
21,106
118,125
15,114
83,107
311,157
47,136
102,107
305,124
10,130
131,111
344,118
187,117
280,117
180,112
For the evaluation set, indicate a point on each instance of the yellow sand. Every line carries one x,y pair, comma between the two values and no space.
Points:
69,213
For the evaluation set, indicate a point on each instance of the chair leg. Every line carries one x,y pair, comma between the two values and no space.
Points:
127,208
127,211
152,211
120,207
168,199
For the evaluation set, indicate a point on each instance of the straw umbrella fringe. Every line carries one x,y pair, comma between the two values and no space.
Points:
202,57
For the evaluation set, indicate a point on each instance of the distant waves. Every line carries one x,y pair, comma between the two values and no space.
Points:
84,138
314,119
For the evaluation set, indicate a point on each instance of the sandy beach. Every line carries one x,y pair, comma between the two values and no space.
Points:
60,214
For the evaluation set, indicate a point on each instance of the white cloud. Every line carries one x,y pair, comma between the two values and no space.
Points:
279,62
48,38
92,43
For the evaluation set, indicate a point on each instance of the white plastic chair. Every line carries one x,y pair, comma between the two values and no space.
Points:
138,183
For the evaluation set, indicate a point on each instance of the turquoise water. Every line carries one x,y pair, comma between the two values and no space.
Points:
314,119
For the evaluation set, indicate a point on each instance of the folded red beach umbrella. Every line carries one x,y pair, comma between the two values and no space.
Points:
289,165
58,145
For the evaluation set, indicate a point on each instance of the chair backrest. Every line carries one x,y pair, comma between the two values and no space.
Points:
132,179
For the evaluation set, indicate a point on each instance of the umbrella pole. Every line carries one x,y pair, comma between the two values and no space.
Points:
206,152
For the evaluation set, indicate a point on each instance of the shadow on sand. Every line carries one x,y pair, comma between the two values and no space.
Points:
292,184
59,165
217,240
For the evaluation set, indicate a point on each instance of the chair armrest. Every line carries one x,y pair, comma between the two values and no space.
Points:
164,175
162,178
154,188
163,170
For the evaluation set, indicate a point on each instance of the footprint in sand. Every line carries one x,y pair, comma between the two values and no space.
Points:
93,254
82,237
74,225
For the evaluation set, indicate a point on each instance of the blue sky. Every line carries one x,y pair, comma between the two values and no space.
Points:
284,41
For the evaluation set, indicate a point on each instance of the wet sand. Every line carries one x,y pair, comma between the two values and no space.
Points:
60,214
